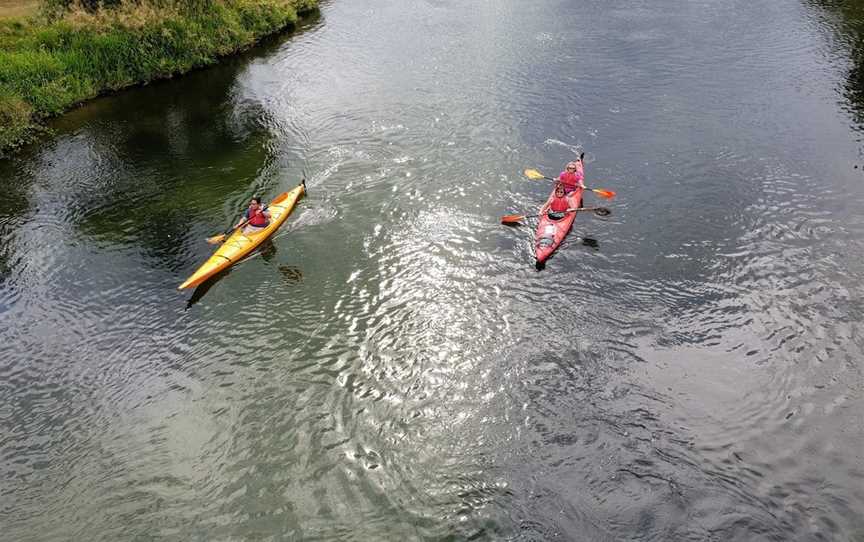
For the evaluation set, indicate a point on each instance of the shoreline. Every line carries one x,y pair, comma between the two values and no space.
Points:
48,67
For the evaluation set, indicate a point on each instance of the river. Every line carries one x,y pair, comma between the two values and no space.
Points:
392,366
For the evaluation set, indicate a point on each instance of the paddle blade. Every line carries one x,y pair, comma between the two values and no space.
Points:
533,174
216,239
512,219
605,194
602,211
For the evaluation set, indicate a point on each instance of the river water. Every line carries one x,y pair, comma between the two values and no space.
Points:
392,366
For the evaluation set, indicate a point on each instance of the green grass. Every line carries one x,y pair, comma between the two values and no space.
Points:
48,66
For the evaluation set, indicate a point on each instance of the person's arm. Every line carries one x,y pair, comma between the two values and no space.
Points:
243,220
546,206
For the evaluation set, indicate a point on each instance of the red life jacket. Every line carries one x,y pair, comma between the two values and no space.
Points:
559,205
257,219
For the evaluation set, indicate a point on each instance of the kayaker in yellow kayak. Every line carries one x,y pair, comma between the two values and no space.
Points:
255,219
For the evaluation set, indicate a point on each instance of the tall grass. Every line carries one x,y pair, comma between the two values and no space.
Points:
73,52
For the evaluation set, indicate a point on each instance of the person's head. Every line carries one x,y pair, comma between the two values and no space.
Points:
559,190
256,202
571,166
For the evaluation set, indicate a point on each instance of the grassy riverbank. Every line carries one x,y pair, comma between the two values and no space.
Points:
50,63
18,8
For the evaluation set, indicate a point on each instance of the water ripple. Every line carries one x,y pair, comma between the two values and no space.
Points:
392,366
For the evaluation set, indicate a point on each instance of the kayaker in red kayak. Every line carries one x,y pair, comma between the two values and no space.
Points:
255,219
557,205
572,175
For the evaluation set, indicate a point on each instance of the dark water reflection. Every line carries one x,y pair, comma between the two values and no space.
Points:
845,20
391,366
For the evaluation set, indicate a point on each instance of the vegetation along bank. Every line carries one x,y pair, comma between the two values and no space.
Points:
66,51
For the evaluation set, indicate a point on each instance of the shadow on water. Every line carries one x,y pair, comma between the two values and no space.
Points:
291,275
590,242
267,250
204,287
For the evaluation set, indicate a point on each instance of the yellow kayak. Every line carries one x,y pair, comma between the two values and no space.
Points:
239,244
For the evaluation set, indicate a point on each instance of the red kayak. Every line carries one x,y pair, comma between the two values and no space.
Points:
550,233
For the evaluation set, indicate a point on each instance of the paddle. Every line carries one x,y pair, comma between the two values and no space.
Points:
216,239
512,219
536,175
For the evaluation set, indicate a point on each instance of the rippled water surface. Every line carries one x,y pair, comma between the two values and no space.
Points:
392,366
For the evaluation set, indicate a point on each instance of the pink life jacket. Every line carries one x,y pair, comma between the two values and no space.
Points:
571,179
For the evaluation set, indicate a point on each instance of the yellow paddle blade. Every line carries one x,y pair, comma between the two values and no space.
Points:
534,174
216,239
